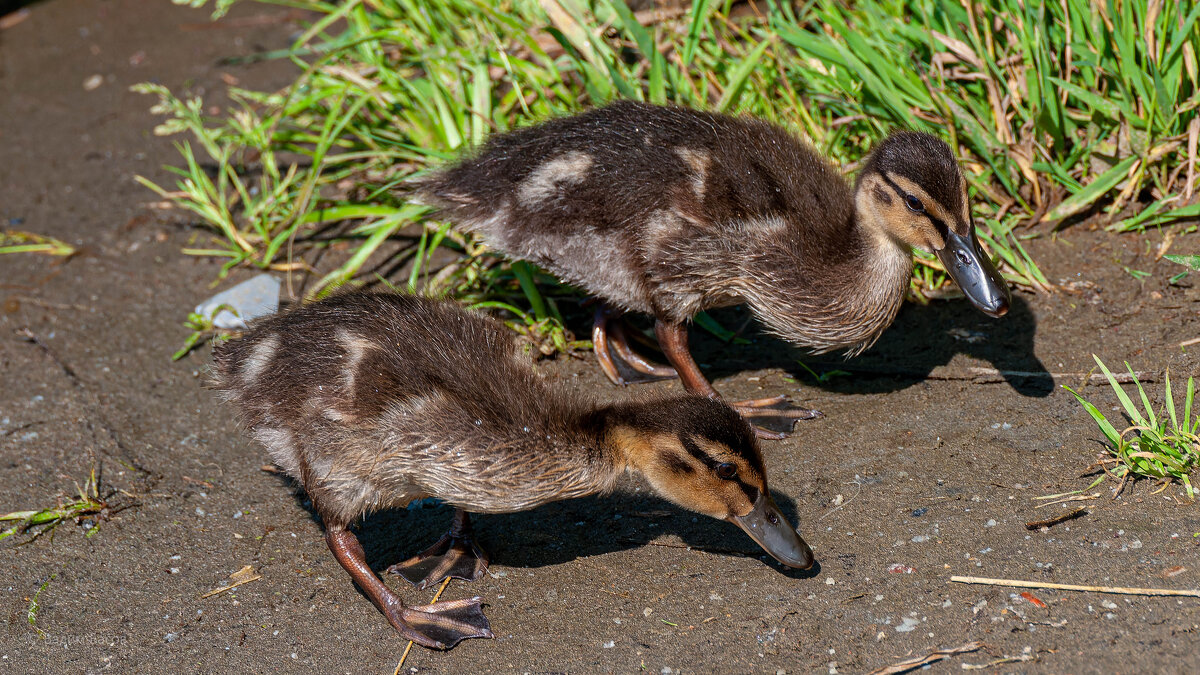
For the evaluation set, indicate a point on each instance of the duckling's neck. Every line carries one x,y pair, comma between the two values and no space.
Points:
826,288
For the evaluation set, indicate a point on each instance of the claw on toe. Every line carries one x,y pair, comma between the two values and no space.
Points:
774,418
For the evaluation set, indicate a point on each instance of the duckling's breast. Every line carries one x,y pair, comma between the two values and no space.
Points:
843,301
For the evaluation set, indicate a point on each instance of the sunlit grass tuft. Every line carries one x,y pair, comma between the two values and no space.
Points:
16,241
87,503
1164,447
1057,111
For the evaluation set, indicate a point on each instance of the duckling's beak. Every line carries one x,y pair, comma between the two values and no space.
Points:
767,526
974,273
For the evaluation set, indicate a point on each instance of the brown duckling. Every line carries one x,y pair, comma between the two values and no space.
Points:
670,211
371,401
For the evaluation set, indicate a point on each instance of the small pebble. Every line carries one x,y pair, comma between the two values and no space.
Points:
990,523
93,82
920,512
609,645
171,637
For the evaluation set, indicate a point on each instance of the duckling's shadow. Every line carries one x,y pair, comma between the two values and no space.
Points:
563,531
922,338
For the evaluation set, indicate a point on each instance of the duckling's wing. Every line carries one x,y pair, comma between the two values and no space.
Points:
636,203
575,195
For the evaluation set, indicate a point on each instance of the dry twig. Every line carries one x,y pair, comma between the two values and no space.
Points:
1050,522
932,657
1118,590
408,648
989,664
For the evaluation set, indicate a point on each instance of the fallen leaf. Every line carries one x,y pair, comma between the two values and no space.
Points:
242,576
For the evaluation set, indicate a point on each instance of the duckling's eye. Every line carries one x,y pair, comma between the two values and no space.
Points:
914,204
726,470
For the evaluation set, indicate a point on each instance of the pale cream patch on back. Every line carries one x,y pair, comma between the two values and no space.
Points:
661,226
259,358
767,225
356,347
546,180
697,161
335,415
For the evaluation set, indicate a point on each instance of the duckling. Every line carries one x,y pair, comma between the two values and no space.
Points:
371,401
669,211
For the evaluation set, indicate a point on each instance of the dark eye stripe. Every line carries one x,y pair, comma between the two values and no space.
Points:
677,465
937,222
695,451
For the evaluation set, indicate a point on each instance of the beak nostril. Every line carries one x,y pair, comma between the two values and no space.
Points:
773,518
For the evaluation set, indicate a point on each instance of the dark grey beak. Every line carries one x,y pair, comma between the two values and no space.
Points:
973,271
767,526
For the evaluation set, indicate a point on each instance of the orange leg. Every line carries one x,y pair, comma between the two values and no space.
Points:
776,414
611,345
438,626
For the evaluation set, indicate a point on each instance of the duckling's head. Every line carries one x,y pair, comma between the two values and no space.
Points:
913,191
702,455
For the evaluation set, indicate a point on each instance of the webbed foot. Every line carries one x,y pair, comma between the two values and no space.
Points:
773,418
454,555
442,625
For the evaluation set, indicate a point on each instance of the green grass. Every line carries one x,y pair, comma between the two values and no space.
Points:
1191,262
1058,111
1163,446
87,502
34,605
16,241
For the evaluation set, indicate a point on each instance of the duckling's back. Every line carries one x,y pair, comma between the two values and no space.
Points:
357,354
372,400
617,198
